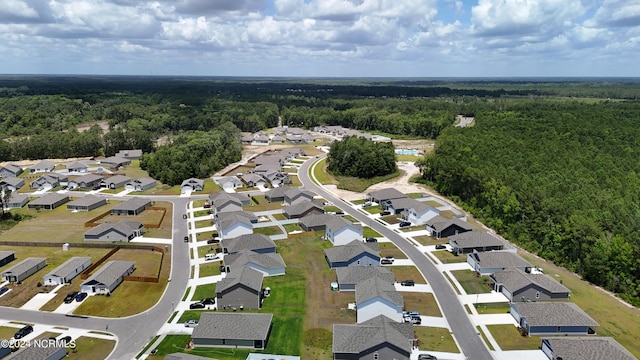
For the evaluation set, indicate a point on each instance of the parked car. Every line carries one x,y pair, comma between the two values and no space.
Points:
407,283
208,301
405,224
215,240
70,297
81,296
385,261
368,203
426,357
23,332
197,305
3,290
385,213
206,205
416,320
370,239
440,246
191,323
66,339
413,313
212,257
186,239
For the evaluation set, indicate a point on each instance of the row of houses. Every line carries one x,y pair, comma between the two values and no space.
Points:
342,132
279,135
395,202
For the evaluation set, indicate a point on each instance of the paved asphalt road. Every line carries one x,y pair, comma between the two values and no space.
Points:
133,332
465,333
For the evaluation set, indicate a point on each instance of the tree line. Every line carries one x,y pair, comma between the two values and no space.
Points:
360,157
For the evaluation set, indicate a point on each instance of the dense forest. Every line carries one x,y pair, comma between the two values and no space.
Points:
559,178
359,157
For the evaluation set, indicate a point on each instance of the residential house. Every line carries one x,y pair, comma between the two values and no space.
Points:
267,168
225,202
131,207
49,181
22,270
31,352
269,264
68,270
86,181
376,338
229,183
17,201
383,195
584,348
271,160
276,177
261,139
108,277
232,330
246,138
302,209
490,262
419,213
192,184
48,201
115,182
295,196
86,203
254,180
276,194
10,170
518,285
233,224
77,167
132,154
42,166
12,183
6,257
397,206
240,290
355,253
316,222
377,297
468,242
277,139
440,227
348,277
552,318
115,162
342,232
125,230
141,184
257,243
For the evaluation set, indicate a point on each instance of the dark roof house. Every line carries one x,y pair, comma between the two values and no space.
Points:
490,262
131,207
470,241
258,243
584,348
348,277
518,285
355,253
124,230
440,226
108,277
48,201
552,318
376,338
235,330
86,203
240,290
302,209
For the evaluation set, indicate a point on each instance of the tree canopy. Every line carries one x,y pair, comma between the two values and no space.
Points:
360,157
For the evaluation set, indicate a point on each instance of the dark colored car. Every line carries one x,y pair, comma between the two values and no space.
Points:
426,357
186,239
70,297
213,241
196,305
385,213
385,261
3,290
370,239
441,246
408,283
405,224
23,332
66,339
81,296
208,301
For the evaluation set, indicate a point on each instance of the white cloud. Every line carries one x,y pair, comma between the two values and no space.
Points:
617,13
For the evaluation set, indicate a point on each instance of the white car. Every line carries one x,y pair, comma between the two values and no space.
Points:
191,323
212,257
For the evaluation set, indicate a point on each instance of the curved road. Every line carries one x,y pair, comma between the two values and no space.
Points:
465,333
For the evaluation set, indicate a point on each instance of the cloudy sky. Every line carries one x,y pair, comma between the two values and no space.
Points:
324,38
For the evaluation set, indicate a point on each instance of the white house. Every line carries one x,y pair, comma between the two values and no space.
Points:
342,232
375,297
229,183
64,273
420,213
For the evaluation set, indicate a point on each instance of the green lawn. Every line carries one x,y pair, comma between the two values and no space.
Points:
435,339
359,202
360,185
492,308
369,232
260,203
373,209
210,269
268,230
484,337
320,173
279,217
471,283
292,227
508,338
448,258
204,291
389,249
428,240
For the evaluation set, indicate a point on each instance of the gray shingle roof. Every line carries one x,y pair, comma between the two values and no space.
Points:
125,227
386,194
500,259
355,339
243,257
554,314
17,198
76,165
222,198
587,348
86,200
356,274
36,352
130,154
374,287
440,223
49,199
12,168
277,192
110,272
515,279
143,181
89,178
236,215
337,223
312,221
246,276
44,164
4,254
351,250
407,203
248,242
12,181
115,160
301,208
471,239
132,204
241,326
24,265
254,178
193,182
70,266
116,179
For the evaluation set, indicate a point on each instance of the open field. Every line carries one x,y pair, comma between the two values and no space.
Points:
435,339
389,249
268,230
360,185
407,273
369,232
471,283
424,303
260,203
90,348
508,338
429,240
147,262
448,258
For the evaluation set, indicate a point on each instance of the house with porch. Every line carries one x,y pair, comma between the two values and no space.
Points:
42,166
355,253
192,184
22,270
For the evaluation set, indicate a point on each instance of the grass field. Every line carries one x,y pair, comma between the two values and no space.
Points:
428,240
279,217
372,209
321,174
448,258
260,203
424,303
210,269
89,348
360,185
407,273
369,232
389,249
295,181
484,338
204,291
435,339
292,227
492,308
508,338
471,283
268,230
391,219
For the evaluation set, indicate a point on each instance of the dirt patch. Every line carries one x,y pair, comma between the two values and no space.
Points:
104,125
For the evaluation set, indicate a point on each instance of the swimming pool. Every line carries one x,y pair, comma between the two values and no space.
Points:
406,152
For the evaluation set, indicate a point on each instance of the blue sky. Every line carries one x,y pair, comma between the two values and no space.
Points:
322,38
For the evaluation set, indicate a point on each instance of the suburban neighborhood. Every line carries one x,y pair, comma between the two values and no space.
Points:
230,262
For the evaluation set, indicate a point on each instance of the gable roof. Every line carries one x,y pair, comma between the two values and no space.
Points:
475,239
143,181
356,274
245,276
222,198
554,314
13,168
311,221
240,326
516,279
124,227
375,287
248,242
116,179
24,265
89,178
70,266
587,348
49,199
243,257
500,259
134,203
337,223
293,193
251,177
12,181
351,250
192,182
44,164
130,154
439,223
17,198
277,192
76,165
302,207
110,272
228,179
115,160
86,200
386,194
